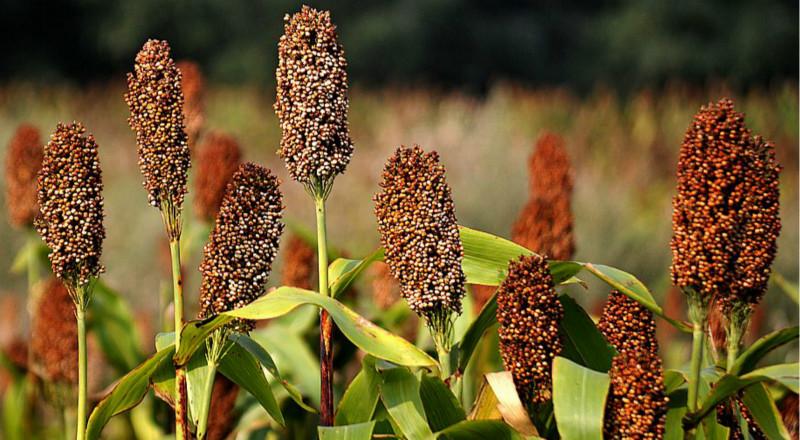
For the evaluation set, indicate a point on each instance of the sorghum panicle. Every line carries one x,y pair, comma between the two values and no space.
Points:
637,402
23,162
545,223
218,159
71,203
155,100
312,100
725,213
627,325
529,312
419,231
238,256
385,289
54,335
299,264
193,86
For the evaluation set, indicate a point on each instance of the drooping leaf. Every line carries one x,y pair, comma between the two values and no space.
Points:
440,404
111,321
579,400
361,397
127,393
400,395
748,360
758,401
787,375
583,342
342,272
479,430
497,399
360,431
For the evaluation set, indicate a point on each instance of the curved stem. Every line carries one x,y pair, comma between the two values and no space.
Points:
80,314
326,325
181,428
202,423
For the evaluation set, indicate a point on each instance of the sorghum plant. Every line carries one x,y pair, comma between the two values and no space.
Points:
71,224
217,159
23,161
312,106
164,161
193,86
298,264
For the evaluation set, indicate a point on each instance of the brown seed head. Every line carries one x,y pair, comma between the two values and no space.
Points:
529,312
725,213
637,403
299,264
155,100
789,414
193,86
54,335
238,256
217,160
627,325
312,98
71,203
545,223
16,352
418,228
23,162
222,413
385,289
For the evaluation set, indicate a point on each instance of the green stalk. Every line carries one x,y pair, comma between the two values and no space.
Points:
698,314
443,353
202,424
180,374
82,376
326,325
737,325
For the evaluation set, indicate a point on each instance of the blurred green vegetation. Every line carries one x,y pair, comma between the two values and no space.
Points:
625,44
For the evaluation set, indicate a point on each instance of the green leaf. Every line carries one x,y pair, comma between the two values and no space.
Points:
485,320
440,404
786,374
360,431
673,426
111,321
479,430
127,393
400,395
486,256
673,379
360,331
264,358
579,400
583,342
16,409
498,399
196,379
748,360
787,287
361,397
757,400
342,272
292,356
243,369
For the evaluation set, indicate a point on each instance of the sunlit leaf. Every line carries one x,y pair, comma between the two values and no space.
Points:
758,401
579,400
499,396
361,397
342,272
400,395
748,360
440,404
360,431
480,430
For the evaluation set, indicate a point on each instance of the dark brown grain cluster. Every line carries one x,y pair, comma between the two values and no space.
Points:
529,313
545,223
299,264
627,325
23,161
637,403
155,100
54,335
238,256
193,86
218,159
71,203
418,229
312,98
725,213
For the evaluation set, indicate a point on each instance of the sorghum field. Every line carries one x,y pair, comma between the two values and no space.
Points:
632,375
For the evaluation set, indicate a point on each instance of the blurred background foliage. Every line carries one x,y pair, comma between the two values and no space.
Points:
470,44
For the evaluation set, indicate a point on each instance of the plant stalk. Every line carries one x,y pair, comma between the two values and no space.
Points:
202,423
80,314
325,323
698,314
181,426
737,325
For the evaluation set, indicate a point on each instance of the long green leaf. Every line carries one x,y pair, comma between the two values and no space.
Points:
293,357
361,397
786,374
361,431
360,331
342,273
579,400
485,320
583,342
127,393
748,360
440,404
479,430
486,256
400,395
756,398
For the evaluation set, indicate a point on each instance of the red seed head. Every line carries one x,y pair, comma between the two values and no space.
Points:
299,264
54,335
217,160
637,403
23,162
385,289
193,86
627,325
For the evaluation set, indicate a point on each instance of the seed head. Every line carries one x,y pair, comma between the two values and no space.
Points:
71,202
545,223
218,159
418,228
637,403
155,100
385,289
16,352
54,335
193,86
23,162
299,264
727,416
312,98
529,313
789,414
238,256
725,213
627,325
